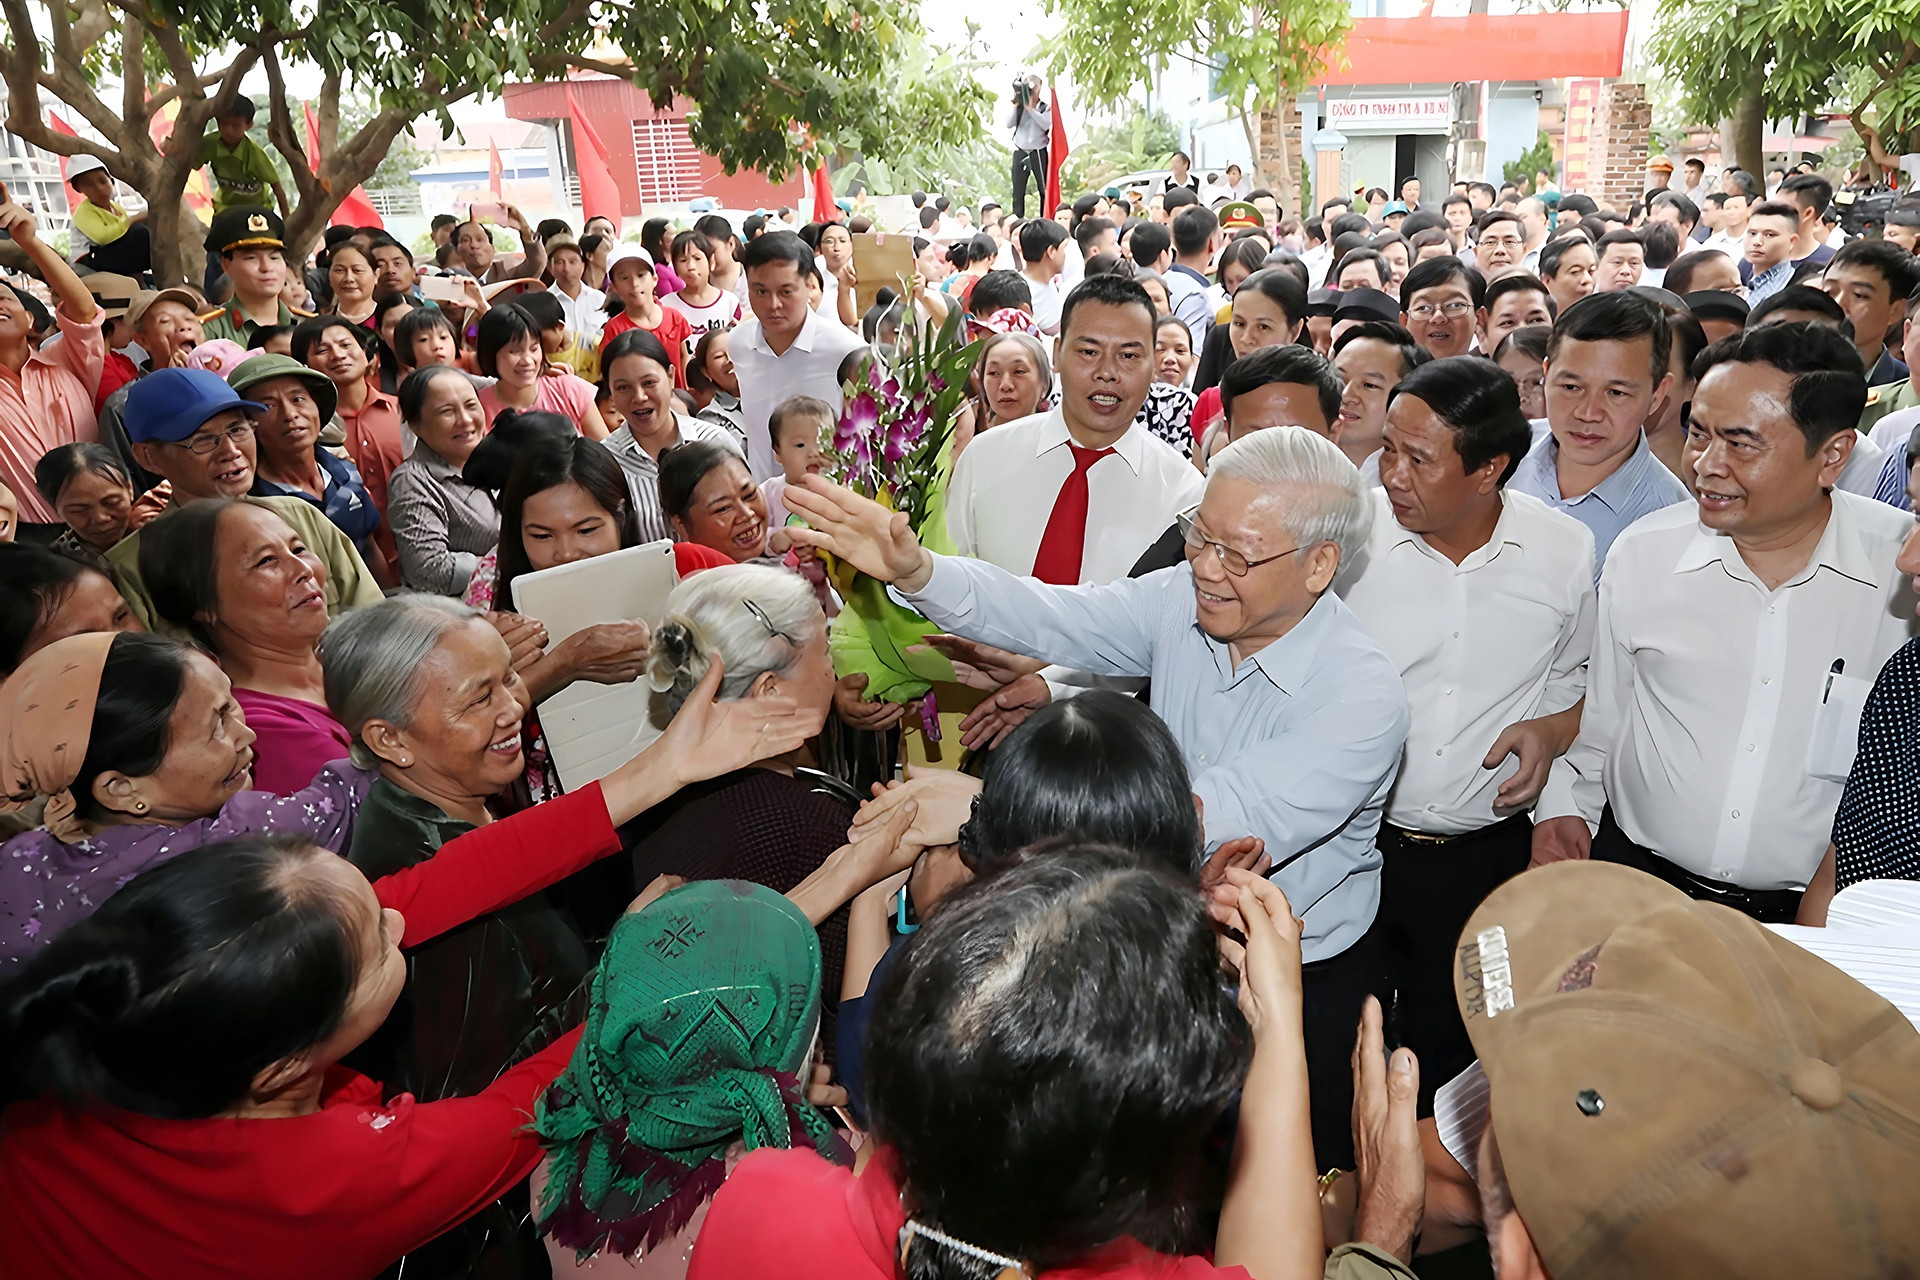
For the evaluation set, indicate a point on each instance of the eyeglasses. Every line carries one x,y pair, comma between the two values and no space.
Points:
204,443
1451,310
1233,561
767,622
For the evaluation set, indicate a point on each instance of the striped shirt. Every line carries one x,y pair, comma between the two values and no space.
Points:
1640,486
643,473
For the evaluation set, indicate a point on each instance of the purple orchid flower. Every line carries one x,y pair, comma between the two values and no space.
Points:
858,423
899,439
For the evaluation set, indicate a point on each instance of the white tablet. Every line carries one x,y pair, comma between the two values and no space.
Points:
593,729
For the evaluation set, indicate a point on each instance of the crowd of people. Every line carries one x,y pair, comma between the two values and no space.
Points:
1416,661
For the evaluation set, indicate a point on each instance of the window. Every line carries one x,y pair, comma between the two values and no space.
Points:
665,160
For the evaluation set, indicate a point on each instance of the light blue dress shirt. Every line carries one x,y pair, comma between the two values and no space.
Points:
1298,745
1641,485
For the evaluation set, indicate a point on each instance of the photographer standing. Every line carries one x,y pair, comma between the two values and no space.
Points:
1032,123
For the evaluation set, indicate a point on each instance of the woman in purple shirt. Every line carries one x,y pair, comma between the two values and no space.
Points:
163,768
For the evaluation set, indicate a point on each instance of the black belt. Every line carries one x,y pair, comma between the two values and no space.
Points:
1760,903
1432,841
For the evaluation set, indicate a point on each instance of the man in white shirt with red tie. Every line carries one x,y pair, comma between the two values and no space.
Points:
1076,494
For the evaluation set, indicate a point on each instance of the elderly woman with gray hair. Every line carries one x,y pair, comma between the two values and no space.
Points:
426,690
772,823
1290,718
428,696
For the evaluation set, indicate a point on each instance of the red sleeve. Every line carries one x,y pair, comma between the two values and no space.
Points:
1206,410
673,333
691,557
455,1157
500,863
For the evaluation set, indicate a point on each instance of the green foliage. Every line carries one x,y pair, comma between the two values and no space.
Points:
1136,140
1535,159
970,173
1259,50
772,80
1802,56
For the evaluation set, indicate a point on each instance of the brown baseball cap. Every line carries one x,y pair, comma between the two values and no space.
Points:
113,294
144,300
1679,1091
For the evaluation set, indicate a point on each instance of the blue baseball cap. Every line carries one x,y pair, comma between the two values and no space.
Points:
171,404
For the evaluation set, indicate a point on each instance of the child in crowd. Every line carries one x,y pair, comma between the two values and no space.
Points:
114,293
631,281
797,426
242,170
704,304
1523,353
105,236
563,346
583,305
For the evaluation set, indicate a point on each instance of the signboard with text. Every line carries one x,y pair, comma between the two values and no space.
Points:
1398,115
1583,145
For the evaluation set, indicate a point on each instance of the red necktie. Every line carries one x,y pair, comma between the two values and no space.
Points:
1061,546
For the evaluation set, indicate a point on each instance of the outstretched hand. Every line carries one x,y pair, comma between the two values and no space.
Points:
1269,961
1247,853
987,725
981,666
1386,1140
709,738
872,539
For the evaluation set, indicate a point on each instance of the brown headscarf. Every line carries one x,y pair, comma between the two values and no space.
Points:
46,719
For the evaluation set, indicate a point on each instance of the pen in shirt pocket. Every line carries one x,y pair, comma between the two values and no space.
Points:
1839,665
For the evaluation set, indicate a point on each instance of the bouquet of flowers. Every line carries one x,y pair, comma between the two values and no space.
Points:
893,444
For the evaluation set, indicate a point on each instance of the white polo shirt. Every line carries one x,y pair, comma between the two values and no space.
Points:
810,367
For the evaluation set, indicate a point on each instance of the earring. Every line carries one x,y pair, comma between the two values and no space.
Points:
405,762
139,806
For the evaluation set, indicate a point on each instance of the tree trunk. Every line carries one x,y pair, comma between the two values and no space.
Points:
1289,143
1257,166
1741,134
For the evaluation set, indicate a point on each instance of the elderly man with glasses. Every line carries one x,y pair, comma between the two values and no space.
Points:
189,427
1290,717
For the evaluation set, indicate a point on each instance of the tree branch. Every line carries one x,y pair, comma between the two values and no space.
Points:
280,132
1876,145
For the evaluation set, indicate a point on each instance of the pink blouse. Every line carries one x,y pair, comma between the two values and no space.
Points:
566,394
293,740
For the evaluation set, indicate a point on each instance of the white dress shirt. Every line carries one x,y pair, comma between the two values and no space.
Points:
1046,305
1862,473
1704,688
1720,242
810,367
1296,744
1005,484
587,314
1501,637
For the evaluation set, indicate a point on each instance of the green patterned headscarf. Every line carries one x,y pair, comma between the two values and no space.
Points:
704,1011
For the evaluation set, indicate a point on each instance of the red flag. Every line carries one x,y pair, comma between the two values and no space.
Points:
62,127
493,169
599,196
824,209
1056,155
354,211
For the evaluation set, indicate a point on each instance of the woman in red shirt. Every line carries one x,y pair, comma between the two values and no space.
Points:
1046,1063
185,1041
